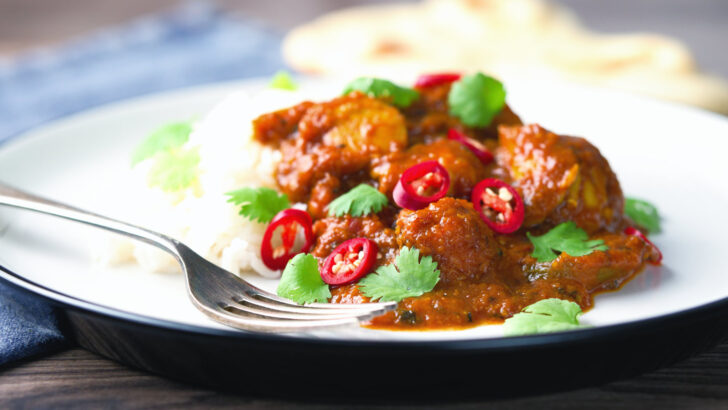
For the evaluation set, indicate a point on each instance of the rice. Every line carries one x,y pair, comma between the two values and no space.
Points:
200,216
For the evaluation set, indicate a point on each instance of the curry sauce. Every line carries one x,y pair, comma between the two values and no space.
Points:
331,147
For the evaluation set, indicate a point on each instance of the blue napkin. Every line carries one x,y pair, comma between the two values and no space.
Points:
193,44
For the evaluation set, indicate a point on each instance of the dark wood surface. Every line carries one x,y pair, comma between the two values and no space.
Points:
76,378
79,379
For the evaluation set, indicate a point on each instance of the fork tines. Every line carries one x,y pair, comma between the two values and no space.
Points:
271,313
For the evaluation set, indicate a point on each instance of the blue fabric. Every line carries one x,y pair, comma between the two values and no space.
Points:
27,326
193,44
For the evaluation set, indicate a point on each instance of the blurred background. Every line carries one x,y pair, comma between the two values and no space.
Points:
670,49
701,24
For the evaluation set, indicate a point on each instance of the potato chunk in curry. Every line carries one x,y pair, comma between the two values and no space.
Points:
327,147
355,122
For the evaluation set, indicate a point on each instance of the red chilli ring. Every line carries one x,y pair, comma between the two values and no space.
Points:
499,205
349,261
474,146
636,232
289,220
418,179
431,80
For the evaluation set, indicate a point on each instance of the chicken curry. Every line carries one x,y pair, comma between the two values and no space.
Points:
472,195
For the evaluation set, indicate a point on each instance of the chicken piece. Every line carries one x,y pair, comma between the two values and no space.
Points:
329,146
560,179
332,232
273,127
599,270
355,122
464,167
429,118
451,231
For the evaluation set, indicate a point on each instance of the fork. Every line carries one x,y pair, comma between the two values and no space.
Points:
222,296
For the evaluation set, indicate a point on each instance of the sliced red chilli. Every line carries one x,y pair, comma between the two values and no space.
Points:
499,205
421,184
475,146
288,234
636,232
431,80
349,261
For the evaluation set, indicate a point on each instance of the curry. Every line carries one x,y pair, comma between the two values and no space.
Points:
473,230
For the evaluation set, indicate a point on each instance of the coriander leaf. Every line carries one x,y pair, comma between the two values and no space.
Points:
379,88
559,309
643,214
301,281
259,204
283,81
565,237
174,170
360,201
168,137
544,316
476,99
412,276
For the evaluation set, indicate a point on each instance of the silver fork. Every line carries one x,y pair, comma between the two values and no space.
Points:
218,293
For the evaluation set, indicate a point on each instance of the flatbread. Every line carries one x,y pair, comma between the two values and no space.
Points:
530,38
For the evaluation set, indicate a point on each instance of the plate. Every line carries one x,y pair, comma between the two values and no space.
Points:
668,154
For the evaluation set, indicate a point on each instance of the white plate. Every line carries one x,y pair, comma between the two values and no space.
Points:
671,155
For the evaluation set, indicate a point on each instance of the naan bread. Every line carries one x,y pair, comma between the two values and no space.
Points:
530,38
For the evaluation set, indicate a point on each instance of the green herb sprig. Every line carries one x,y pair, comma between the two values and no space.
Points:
643,214
565,237
360,201
476,99
409,276
163,139
283,81
384,89
544,316
259,204
301,281
174,168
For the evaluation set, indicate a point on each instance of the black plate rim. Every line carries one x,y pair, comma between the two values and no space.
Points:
476,345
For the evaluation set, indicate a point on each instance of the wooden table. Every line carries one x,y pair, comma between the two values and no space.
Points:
76,378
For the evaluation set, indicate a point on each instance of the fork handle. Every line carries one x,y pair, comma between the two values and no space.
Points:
14,197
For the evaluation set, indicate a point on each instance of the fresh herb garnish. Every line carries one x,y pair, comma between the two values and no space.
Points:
643,214
379,88
301,281
259,204
412,276
565,237
360,201
283,81
544,316
476,99
166,138
174,170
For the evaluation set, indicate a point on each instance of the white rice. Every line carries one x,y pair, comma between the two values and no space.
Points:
200,216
